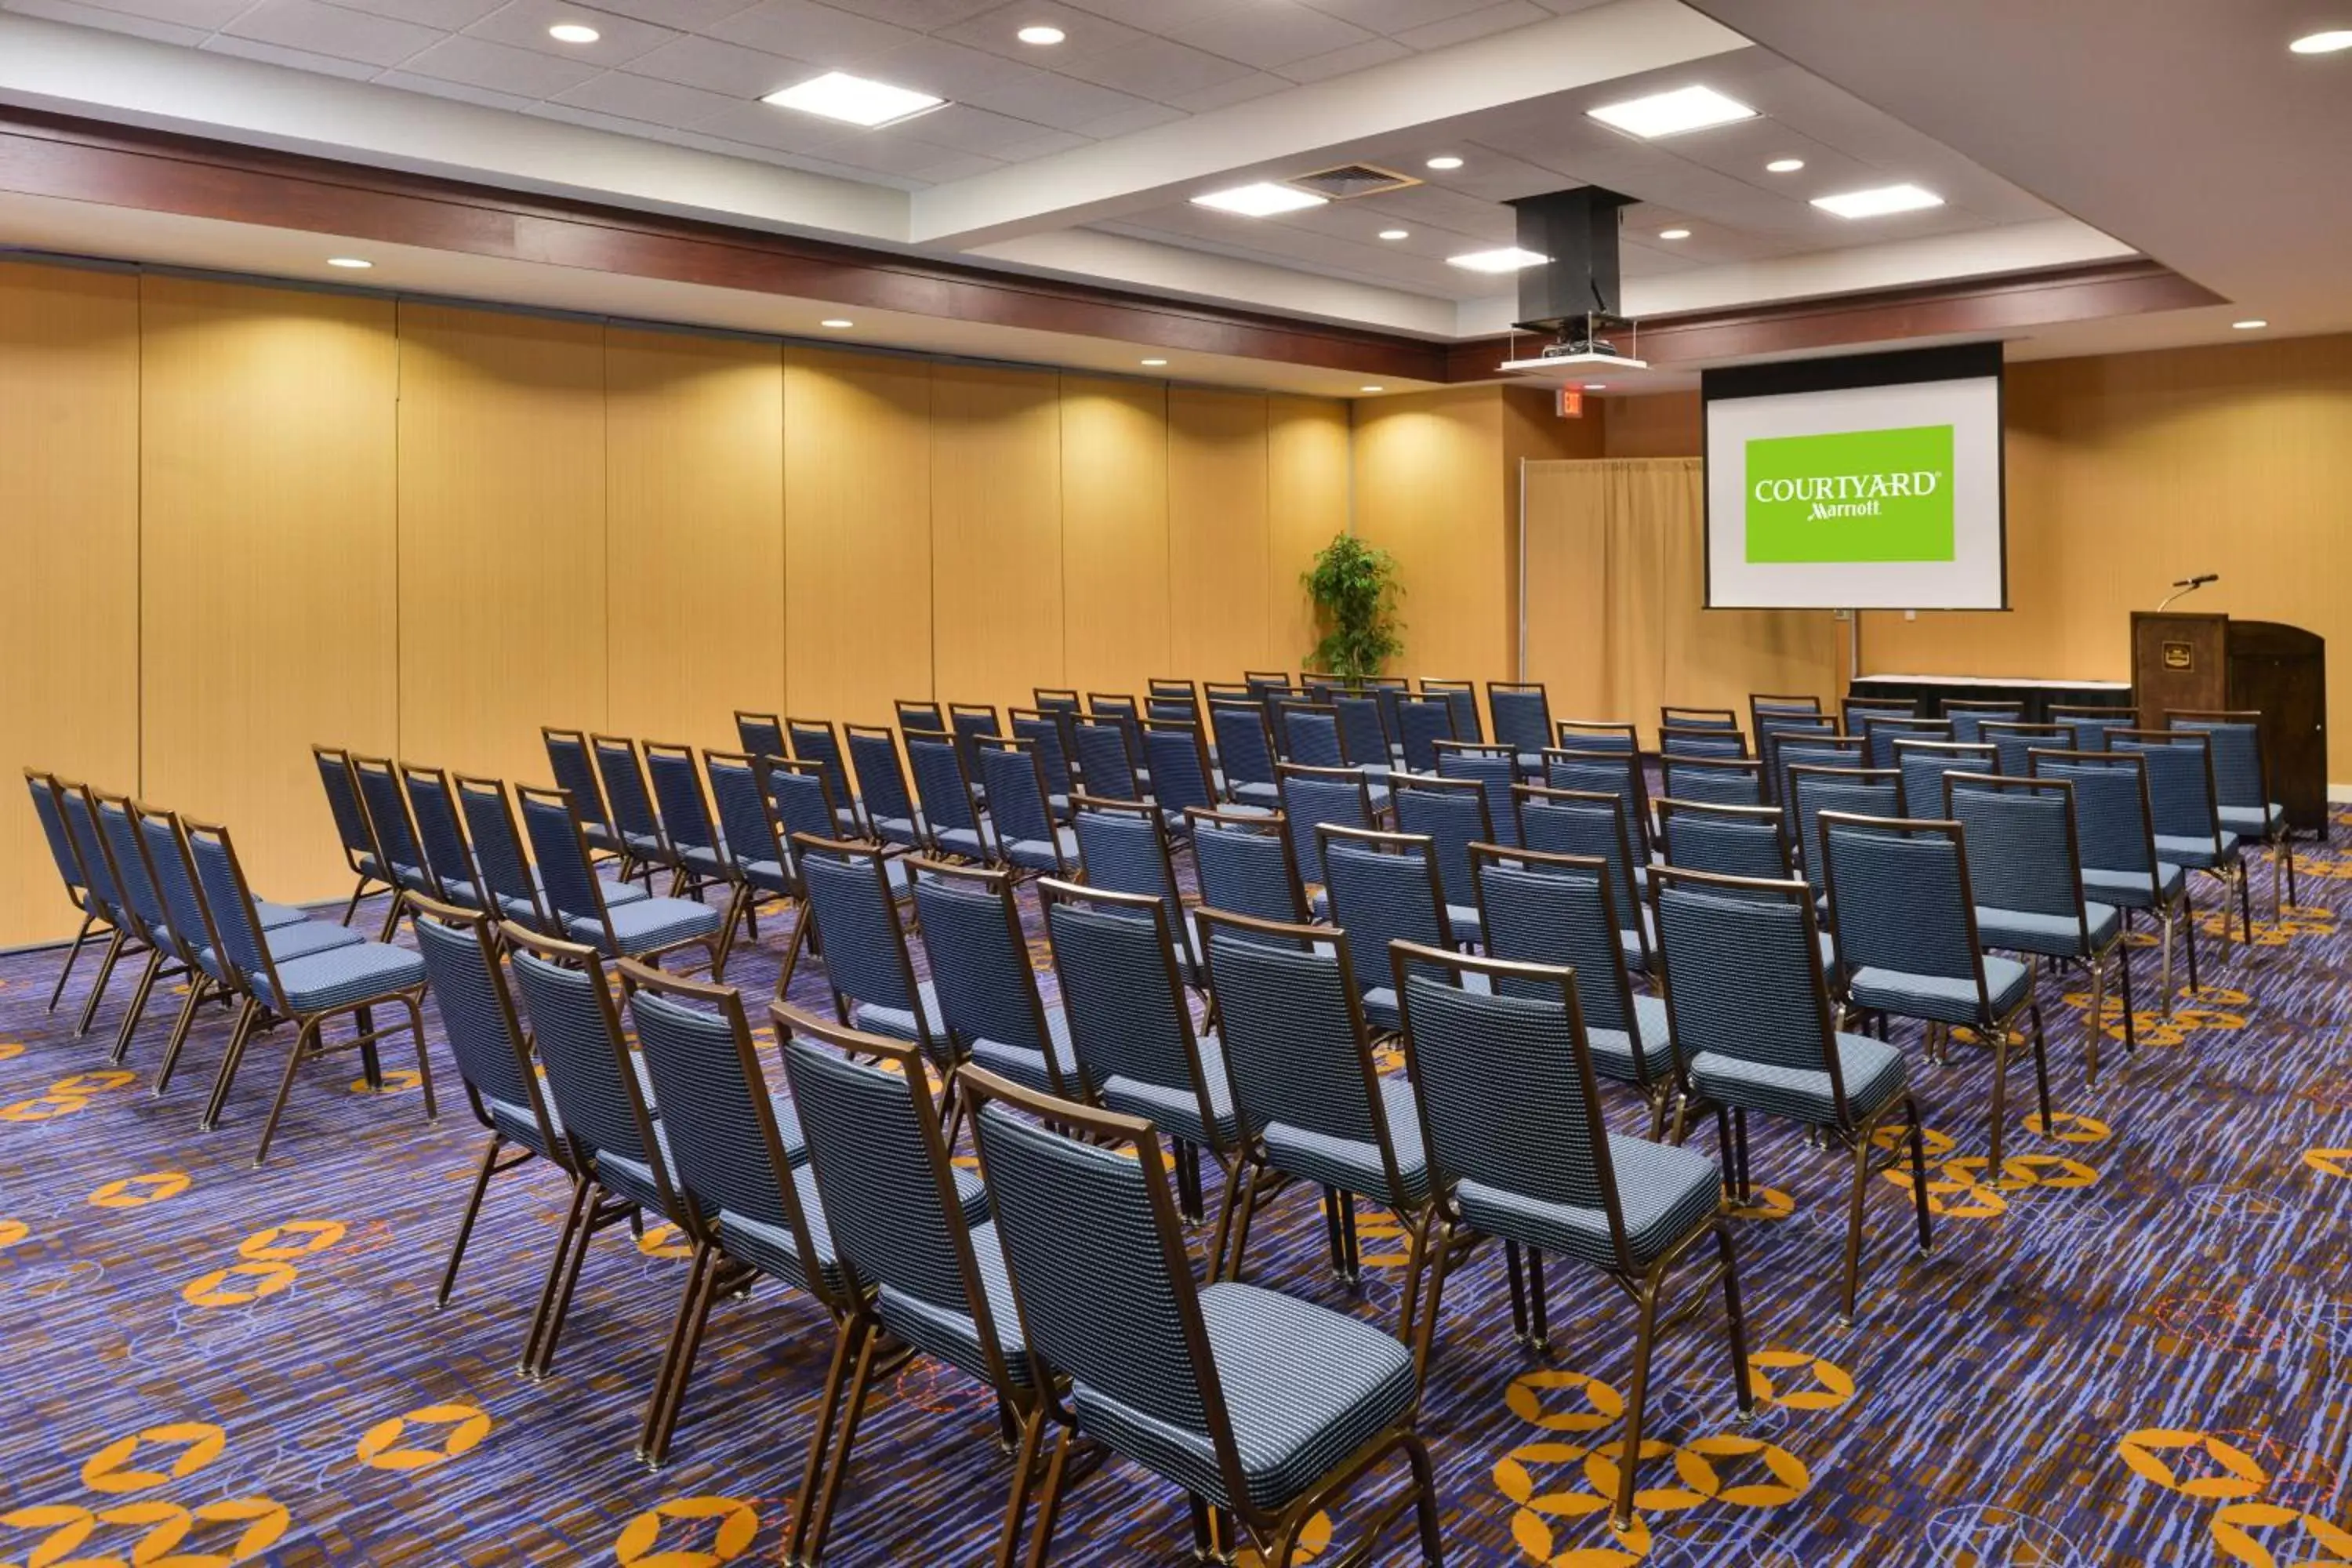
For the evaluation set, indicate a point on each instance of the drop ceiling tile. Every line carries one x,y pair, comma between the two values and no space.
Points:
449,16
1395,17
477,62
111,21
1045,145
821,34
1062,102
729,69
1339,62
1138,116
1240,90
295,59
1493,19
524,24
1266,33
646,98
1156,68
1151,16
952,72
778,130
684,15
997,31
964,129
332,30
208,14
465,92
921,16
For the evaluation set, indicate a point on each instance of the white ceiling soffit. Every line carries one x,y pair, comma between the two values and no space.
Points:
1271,136
2183,127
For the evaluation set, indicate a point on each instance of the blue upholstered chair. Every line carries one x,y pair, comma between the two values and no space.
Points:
920,713
1452,815
359,853
2092,723
1720,780
1766,709
71,802
1740,970
1922,765
1313,798
1496,771
1245,750
1857,711
394,831
1243,1399
1244,862
1181,777
1172,700
703,858
573,765
2184,809
577,904
2011,741
1420,722
1385,887
761,734
1520,1149
1308,733
1969,716
1611,737
867,967
950,807
644,840
1812,750
1775,731
1462,697
1364,736
42,786
1048,733
1522,712
1616,773
1903,910
1730,840
1864,792
307,992
499,856
1706,721
2242,786
816,741
1107,764
1702,741
1056,698
744,786
1023,832
441,835
2114,829
142,897
1592,823
1883,730
971,723
1124,851
982,980
890,805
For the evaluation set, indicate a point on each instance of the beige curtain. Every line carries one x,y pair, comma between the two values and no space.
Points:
1616,576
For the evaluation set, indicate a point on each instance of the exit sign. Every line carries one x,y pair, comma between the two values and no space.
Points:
1571,403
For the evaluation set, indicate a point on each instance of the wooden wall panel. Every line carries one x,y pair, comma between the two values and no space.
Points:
270,560
502,623
695,533
1429,490
1656,424
1115,634
1308,495
69,525
996,533
857,534
1217,558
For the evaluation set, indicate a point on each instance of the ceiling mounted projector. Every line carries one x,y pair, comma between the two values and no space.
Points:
1573,297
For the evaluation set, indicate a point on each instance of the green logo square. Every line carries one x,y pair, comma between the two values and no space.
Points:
1862,495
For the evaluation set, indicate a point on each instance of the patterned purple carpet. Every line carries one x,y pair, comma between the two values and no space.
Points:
2134,1346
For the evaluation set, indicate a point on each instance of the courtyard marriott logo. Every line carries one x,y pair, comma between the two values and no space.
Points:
1863,495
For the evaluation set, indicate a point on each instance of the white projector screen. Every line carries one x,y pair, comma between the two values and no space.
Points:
1870,483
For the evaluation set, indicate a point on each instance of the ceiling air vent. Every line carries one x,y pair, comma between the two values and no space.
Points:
1351,180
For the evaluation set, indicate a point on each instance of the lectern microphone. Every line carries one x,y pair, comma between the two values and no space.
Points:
2188,586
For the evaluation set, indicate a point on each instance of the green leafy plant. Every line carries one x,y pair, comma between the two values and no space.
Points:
1355,590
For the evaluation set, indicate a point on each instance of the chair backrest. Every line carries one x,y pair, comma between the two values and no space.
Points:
1105,758
1452,815
559,845
228,900
761,734
1922,765
972,722
1247,865
1384,889
1497,769
1618,773
882,782
172,868
498,851
1585,822
1522,715
89,848
570,759
1881,731
623,773
1740,970
386,804
1122,710
2010,741
1769,710
126,862
1969,716
920,713
2115,826
2240,762
858,934
1858,710
1683,740
685,809
335,765
1604,736
2022,853
1775,731
1048,733
936,764
1056,698
1503,1077
1264,679
1388,693
1864,792
1227,691
1810,749
881,1164
802,795
1312,797
576,1029
1462,697
1310,735
432,807
1420,723
464,971
2092,723
1180,766
1562,910
1723,780
1675,717
43,789
1014,780
1168,697
1730,840
2180,790
1294,1032
816,741
979,958
1125,851
1245,748
739,786
1122,998
1363,729
1900,897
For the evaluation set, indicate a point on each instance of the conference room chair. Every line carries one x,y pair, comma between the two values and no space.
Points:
2184,810
1108,766
2116,832
920,713
1124,850
1522,719
1313,798
1169,697
738,1170
42,787
1462,698
360,853
1119,958
1614,773
1520,1149
1858,790
1266,679
1246,863
1181,777
142,902
803,801
1592,823
1023,833
1384,887
869,971
1308,733
1596,735
1364,734
2025,865
1751,1014
913,1259
944,791
213,974
1682,740
1048,733
1922,764
466,976
644,838
1766,708
1673,716
577,905
1245,748
1969,715
1809,749
1228,691
441,836
498,854
1388,693
1562,910
703,860
1903,908
2011,741
1731,840
1121,708
1882,732
101,900
1775,731
2242,786
1420,723
1056,698
744,787
572,762
816,741
982,980
1856,710
1726,781
386,804
761,734
1258,1406
1495,769
309,992
2092,723
971,723
1313,1105
890,805
1452,815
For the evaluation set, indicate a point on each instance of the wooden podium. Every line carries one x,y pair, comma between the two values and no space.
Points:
2210,662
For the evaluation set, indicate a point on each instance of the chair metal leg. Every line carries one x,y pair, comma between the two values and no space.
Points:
1016,1508
1920,1174
1444,1242
2188,932
1231,1164
1519,1291
677,1355
2245,900
137,1007
466,1224
2098,1022
1861,1140
792,952
247,1020
392,915
2000,1101
304,1038
1049,1502
1424,1484
1331,1233
1636,1399
1539,1327
358,892
2041,1065
849,1334
739,904
1248,1206
73,954
852,1407
1736,1320
199,987
573,1222
562,1307
2123,983
424,1057
98,987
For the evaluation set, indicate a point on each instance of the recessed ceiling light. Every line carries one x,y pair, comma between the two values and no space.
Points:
1879,202
838,323
1510,258
574,32
1672,113
1395,233
1261,200
354,262
1447,162
838,95
1371,389
1155,362
1041,35
2257,324
1674,233
2331,42
1784,165
1596,386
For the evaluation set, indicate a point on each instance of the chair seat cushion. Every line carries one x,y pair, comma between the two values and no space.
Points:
289,942
1666,1192
1381,1009
2053,936
2199,853
953,1336
1264,796
343,975
771,1246
272,916
1178,1111
2254,821
1036,854
2134,890
1352,1166
1305,1386
516,1124
880,1018
1027,1067
646,924
1873,1072
964,841
1940,998
1612,1049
